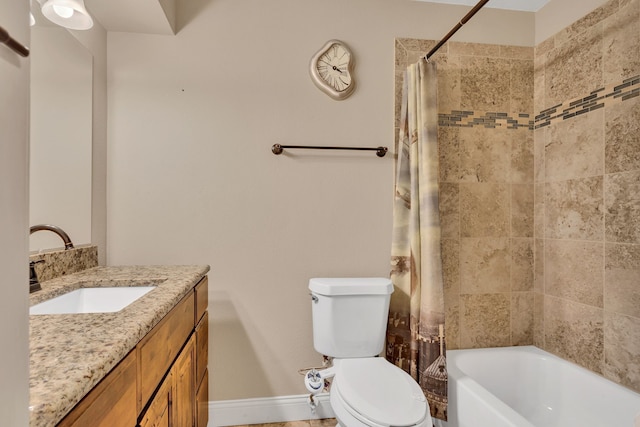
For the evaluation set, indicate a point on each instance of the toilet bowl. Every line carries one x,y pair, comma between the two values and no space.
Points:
371,392
349,325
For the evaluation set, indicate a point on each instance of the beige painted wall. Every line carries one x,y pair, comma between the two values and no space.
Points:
191,178
95,40
14,214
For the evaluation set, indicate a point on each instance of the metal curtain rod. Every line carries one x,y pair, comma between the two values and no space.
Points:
459,25
380,151
17,47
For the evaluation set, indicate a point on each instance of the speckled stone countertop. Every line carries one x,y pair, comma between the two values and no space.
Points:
71,353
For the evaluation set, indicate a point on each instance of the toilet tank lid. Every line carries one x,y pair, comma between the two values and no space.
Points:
351,286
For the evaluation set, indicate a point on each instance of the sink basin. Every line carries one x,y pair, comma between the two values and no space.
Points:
91,300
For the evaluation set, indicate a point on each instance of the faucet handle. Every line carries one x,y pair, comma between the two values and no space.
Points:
34,284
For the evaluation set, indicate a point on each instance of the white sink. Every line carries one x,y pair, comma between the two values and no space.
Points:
91,300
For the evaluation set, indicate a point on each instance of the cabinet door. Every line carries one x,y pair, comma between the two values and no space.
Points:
111,403
202,402
158,413
184,386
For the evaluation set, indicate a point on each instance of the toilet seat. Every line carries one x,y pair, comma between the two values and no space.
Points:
377,392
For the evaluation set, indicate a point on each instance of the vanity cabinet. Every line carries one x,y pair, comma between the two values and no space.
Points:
163,381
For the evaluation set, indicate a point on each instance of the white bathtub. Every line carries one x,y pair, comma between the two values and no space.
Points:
528,387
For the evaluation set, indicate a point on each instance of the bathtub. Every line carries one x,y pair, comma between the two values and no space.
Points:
528,387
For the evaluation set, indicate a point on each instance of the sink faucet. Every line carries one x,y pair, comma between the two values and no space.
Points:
64,236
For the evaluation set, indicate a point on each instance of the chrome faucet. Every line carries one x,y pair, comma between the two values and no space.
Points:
59,231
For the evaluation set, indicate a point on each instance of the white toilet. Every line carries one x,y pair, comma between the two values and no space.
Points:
349,324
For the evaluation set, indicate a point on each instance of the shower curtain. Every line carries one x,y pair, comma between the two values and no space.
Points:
415,332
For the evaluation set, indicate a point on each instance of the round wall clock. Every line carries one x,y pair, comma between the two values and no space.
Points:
331,70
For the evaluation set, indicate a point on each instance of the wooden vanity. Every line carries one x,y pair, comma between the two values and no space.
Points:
161,381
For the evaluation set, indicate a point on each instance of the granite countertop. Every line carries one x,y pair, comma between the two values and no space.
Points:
71,353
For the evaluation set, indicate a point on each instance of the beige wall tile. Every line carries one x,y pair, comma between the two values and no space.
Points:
544,47
574,332
522,160
622,136
474,49
575,148
538,210
539,142
570,33
522,210
449,93
622,204
484,265
484,210
449,152
522,265
622,347
539,100
516,52
482,90
449,207
485,320
451,273
522,305
485,154
573,270
574,209
574,68
538,265
622,44
521,82
622,279
538,320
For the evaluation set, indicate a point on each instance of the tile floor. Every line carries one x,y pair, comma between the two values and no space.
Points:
328,422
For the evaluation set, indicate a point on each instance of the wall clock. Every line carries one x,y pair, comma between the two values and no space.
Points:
331,70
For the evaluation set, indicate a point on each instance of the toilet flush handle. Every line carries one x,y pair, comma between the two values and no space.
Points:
313,297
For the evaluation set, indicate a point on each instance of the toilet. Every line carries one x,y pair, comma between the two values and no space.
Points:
349,325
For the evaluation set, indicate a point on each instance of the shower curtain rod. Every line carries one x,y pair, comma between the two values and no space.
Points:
459,25
16,46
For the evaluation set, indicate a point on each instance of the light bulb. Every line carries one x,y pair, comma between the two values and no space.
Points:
63,11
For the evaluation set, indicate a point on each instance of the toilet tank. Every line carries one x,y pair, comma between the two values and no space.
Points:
350,315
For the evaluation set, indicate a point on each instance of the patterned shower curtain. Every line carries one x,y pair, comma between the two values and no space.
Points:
415,333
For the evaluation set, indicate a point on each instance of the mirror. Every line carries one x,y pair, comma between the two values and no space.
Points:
60,136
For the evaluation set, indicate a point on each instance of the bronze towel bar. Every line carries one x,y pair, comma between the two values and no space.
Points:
278,149
12,43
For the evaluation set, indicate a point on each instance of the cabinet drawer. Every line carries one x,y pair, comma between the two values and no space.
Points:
158,350
202,346
202,298
111,403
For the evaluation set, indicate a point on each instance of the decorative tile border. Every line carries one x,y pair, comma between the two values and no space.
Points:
487,119
599,98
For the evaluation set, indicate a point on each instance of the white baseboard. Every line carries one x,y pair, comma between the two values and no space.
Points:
267,410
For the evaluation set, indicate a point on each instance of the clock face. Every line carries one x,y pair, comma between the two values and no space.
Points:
333,67
331,70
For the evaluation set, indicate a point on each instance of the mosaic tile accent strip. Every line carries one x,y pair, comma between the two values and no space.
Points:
599,98
487,119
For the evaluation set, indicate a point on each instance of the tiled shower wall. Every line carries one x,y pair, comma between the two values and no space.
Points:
485,105
587,192
570,200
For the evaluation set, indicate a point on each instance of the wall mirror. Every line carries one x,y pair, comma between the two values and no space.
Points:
60,135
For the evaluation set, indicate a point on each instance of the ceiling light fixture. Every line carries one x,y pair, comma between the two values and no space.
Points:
70,14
